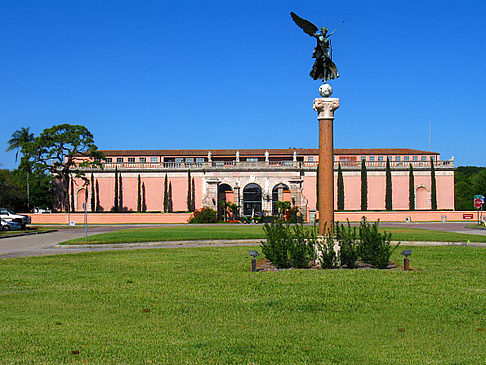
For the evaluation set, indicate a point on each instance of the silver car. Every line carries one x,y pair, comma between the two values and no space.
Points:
10,226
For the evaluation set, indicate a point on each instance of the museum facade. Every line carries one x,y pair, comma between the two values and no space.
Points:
255,179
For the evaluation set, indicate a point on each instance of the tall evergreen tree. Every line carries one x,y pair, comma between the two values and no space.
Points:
116,201
433,186
93,196
189,195
73,208
166,194
144,202
120,194
139,195
170,198
364,186
340,188
98,206
193,197
388,189
411,189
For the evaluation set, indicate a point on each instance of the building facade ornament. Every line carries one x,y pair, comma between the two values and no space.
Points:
325,107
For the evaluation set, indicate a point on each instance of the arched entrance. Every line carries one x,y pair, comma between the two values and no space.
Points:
252,200
82,197
225,194
280,192
421,198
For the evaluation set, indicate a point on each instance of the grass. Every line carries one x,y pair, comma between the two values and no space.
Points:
230,232
202,306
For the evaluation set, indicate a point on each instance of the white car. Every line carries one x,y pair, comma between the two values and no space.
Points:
10,226
9,216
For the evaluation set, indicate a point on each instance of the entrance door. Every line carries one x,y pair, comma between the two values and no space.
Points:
252,200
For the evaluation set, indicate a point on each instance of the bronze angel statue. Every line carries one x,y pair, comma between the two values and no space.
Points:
323,67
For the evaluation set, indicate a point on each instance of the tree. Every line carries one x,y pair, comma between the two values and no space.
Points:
166,195
115,200
411,189
388,189
433,186
120,193
139,195
170,198
189,195
20,140
340,188
364,186
144,202
73,207
98,206
63,150
93,197
193,196
468,181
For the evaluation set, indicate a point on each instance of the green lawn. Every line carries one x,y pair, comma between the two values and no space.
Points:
251,232
202,306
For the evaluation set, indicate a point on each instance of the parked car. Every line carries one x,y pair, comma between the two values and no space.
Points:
10,216
10,226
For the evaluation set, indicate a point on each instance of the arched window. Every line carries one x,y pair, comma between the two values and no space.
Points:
280,192
252,200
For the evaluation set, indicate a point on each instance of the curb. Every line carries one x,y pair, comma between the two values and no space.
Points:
28,234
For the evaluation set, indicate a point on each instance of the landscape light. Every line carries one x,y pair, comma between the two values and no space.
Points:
253,254
406,261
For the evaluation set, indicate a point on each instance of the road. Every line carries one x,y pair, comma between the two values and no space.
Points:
45,244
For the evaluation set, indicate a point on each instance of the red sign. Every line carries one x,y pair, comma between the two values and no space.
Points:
478,203
468,216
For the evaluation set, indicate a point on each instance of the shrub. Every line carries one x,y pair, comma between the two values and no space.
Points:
302,245
348,245
374,247
204,215
328,257
277,245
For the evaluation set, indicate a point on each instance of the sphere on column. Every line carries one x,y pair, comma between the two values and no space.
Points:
325,90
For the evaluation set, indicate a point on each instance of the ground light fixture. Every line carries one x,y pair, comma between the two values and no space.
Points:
253,254
406,261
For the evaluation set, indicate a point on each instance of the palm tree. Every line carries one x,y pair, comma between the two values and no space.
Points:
19,140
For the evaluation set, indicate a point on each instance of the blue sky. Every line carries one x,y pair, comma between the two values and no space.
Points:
234,74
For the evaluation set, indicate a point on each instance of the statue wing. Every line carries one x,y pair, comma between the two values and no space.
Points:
306,25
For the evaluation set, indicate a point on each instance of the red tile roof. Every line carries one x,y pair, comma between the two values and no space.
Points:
272,152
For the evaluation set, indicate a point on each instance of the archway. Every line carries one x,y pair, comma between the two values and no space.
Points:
225,194
81,198
252,199
421,198
280,192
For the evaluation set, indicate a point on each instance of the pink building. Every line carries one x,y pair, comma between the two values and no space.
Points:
256,178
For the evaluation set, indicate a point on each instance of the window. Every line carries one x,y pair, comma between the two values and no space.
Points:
199,159
131,159
406,158
380,158
252,159
310,159
119,159
398,158
424,158
190,159
97,159
179,160
363,158
108,159
142,159
372,158
415,158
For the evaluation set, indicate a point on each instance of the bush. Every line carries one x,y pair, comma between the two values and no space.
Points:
374,247
348,245
327,255
289,246
204,215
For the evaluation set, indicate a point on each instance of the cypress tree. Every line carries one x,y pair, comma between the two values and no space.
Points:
340,189
120,194
144,202
93,197
364,186
433,187
170,197
98,206
411,189
116,201
189,195
166,195
139,194
193,197
388,191
73,208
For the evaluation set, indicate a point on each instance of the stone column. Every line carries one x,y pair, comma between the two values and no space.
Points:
236,189
296,192
325,108
211,198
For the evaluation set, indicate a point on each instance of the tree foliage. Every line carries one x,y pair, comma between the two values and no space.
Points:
468,181
433,183
411,189
388,188
340,189
364,186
